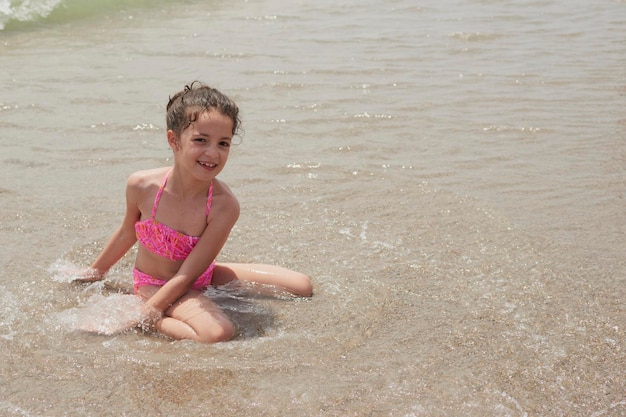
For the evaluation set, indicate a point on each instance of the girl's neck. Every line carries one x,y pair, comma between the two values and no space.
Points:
185,186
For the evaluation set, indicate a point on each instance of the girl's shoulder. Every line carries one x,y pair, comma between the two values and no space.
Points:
145,179
223,196
142,186
222,190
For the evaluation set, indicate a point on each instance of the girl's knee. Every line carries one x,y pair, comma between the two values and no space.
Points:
222,331
302,285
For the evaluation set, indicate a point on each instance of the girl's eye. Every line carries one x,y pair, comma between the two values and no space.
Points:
225,144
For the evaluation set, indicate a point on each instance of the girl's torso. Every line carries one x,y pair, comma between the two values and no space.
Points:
169,226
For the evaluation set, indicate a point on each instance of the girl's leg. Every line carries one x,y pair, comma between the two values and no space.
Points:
294,282
194,316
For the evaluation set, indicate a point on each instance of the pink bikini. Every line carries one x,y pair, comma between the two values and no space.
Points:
164,241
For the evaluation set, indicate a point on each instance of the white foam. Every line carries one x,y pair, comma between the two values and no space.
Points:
25,10
105,315
9,316
64,271
14,410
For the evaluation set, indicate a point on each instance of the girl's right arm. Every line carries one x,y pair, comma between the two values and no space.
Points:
122,239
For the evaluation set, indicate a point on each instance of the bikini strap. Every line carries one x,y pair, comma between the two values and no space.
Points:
158,196
209,200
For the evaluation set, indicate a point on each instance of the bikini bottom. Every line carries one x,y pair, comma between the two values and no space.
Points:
141,279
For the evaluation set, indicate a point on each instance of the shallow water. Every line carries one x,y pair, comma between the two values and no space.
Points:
450,175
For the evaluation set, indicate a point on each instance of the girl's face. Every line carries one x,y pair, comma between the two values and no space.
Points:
203,147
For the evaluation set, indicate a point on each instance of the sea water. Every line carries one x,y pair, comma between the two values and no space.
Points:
450,174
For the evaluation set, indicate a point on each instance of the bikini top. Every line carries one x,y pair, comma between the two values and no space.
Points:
161,239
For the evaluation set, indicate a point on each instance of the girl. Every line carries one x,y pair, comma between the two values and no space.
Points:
182,216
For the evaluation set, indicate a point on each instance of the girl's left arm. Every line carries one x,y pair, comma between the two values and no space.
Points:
224,215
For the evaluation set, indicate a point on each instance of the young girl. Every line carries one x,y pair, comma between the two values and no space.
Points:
182,216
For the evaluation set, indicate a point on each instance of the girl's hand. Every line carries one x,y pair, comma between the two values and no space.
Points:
149,316
89,275
66,272
116,314
146,318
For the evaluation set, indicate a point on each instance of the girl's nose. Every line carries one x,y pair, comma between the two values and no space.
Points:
212,151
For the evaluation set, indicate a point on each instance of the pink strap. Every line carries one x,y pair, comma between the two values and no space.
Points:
158,196
209,199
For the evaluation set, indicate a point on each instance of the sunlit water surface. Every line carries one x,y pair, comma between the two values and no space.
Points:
451,175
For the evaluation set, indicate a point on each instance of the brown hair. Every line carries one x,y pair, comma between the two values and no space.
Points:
184,107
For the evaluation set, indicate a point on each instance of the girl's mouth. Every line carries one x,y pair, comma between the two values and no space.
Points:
207,164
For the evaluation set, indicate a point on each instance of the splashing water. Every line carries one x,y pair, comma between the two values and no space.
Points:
25,11
64,271
10,314
104,315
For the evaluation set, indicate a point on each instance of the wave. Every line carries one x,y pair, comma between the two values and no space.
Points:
24,14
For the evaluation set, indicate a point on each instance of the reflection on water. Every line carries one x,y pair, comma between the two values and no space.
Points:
450,175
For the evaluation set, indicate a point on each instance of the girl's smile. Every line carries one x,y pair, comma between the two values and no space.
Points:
208,166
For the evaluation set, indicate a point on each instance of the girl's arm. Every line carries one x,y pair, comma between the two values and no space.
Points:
224,215
122,239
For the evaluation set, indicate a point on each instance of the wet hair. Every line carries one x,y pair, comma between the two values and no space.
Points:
184,107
